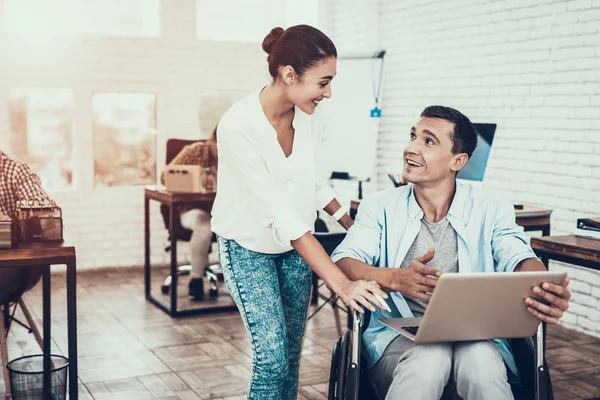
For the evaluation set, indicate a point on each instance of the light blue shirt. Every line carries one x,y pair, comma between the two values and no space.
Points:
389,221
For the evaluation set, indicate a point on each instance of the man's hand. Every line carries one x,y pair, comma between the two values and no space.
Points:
416,279
556,295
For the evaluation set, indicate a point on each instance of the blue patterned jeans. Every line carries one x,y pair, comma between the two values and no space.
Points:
271,292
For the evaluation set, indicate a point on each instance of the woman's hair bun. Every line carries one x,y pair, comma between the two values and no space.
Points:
272,38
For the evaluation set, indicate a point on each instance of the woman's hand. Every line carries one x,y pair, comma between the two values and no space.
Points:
357,293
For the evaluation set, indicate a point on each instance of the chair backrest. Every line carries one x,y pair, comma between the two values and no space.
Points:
16,281
174,146
330,240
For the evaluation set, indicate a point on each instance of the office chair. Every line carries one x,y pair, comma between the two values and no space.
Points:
348,378
213,271
20,280
329,241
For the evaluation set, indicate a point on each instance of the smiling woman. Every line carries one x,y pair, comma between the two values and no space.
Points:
266,203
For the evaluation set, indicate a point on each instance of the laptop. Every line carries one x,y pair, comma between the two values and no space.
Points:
477,306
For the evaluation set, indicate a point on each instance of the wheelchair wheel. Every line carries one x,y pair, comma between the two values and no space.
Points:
343,365
335,359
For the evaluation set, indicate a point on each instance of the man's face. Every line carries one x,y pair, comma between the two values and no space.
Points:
428,157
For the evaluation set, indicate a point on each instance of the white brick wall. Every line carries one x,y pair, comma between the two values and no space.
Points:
532,67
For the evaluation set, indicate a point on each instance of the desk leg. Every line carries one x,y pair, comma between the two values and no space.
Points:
47,322
72,328
173,213
546,232
147,246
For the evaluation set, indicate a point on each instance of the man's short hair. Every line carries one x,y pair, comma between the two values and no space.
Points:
464,137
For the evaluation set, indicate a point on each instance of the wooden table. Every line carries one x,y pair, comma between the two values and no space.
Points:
570,249
174,201
534,219
47,254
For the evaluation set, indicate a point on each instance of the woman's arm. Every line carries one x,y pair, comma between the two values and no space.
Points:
351,292
239,153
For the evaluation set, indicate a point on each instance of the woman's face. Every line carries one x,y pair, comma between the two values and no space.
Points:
307,91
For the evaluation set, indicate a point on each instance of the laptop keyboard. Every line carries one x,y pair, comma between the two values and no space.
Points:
411,329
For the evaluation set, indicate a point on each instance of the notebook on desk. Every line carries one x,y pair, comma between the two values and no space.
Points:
591,224
588,228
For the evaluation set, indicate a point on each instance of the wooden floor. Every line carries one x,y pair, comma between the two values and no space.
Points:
128,349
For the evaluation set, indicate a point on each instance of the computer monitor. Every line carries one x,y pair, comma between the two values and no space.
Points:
474,171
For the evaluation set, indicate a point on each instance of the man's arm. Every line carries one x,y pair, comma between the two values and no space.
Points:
417,280
557,296
27,185
512,252
359,270
359,251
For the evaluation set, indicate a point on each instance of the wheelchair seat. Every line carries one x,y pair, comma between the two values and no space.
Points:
348,376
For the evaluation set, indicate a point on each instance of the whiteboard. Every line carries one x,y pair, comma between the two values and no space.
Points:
350,138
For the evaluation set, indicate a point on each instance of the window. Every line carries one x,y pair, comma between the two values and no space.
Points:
212,106
138,18
124,134
238,21
41,135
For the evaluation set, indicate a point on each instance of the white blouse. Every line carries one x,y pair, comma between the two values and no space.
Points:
264,200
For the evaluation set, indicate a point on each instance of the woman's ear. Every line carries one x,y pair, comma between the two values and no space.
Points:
459,161
288,74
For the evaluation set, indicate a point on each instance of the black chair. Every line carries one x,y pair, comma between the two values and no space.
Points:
348,379
16,281
213,272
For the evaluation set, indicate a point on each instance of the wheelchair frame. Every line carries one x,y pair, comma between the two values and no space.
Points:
346,379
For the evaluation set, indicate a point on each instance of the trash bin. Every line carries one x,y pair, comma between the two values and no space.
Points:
28,381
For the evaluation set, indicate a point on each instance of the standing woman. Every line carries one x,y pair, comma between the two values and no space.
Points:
265,207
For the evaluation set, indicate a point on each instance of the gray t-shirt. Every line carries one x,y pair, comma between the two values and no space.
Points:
442,237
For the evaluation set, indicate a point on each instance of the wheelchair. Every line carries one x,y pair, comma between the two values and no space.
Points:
348,378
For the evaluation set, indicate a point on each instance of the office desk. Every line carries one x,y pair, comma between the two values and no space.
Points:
48,254
570,249
534,219
173,201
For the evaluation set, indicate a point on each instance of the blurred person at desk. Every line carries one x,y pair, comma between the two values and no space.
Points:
203,153
17,182
265,207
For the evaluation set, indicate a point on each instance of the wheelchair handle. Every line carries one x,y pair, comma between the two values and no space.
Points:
356,334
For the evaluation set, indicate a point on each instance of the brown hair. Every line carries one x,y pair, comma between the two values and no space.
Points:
300,46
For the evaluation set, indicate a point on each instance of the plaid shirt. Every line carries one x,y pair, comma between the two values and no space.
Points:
18,182
192,154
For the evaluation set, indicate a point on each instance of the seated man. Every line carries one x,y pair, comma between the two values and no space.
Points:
202,153
17,182
415,233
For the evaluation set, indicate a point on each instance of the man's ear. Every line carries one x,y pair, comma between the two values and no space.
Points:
288,74
459,161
